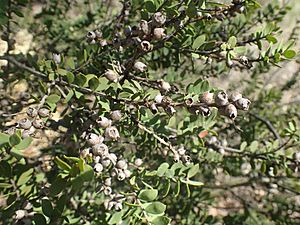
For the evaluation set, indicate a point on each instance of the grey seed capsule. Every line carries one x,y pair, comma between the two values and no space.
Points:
38,123
43,112
221,98
159,33
207,98
118,206
32,112
205,111
116,115
234,96
112,133
128,31
140,67
104,122
114,172
153,108
158,98
106,162
25,123
10,131
230,111
138,162
127,173
84,153
107,181
121,175
112,75
98,168
181,151
107,190
113,158
243,104
144,27
93,139
165,86
146,46
56,58
100,150
91,35
159,18
121,164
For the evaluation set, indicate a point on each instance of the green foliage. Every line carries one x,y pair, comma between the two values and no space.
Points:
128,122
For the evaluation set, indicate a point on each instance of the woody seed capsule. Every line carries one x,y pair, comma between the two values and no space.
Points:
221,98
144,27
146,46
121,164
165,86
205,111
25,123
243,104
91,35
230,111
158,98
139,67
100,150
116,115
104,122
121,175
153,108
159,19
138,162
98,168
207,98
32,112
93,139
112,133
159,33
234,96
43,112
170,110
112,75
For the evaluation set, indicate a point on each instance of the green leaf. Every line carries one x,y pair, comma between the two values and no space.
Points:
70,77
39,219
148,195
62,164
191,182
162,169
80,80
161,220
25,177
232,41
57,186
24,143
193,171
199,41
14,140
47,207
271,39
155,208
62,72
116,218
53,99
94,83
150,6
289,54
5,169
69,63
4,138
69,96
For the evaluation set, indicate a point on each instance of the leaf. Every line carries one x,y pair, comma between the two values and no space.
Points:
271,39
193,171
24,143
199,41
289,54
57,186
5,169
155,208
69,96
93,83
161,220
116,218
4,138
150,6
148,195
39,219
80,80
53,99
62,164
14,140
25,177
162,169
70,77
191,182
47,207
232,41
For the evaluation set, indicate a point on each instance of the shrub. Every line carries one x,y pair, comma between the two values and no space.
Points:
147,112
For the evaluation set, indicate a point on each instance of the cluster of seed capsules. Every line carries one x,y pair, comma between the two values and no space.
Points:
34,121
106,164
138,36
